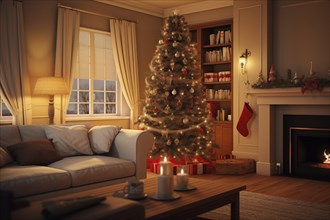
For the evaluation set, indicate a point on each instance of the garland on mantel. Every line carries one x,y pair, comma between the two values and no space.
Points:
310,83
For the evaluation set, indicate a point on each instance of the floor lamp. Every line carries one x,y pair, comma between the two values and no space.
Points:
50,86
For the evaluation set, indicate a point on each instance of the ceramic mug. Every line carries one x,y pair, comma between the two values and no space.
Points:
134,188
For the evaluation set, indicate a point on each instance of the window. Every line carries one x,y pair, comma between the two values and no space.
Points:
96,91
5,114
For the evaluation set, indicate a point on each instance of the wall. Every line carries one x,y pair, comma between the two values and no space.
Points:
40,19
251,31
209,16
305,38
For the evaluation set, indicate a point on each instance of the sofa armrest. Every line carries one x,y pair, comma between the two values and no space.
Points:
133,145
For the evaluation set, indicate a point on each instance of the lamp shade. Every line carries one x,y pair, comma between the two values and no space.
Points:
50,86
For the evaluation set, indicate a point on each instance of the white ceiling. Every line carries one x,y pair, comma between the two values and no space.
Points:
163,8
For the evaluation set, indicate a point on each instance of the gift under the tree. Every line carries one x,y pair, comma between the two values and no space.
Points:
194,168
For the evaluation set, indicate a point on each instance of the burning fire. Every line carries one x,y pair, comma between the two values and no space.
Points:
327,157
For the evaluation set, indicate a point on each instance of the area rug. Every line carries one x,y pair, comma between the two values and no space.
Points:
265,207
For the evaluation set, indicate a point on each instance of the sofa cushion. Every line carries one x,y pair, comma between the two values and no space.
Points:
30,180
9,135
32,132
69,140
101,137
96,168
34,152
5,158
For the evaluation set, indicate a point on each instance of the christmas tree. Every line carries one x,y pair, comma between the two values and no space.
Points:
175,109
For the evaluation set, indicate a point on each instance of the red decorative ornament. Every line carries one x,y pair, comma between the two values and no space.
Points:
165,42
155,110
200,131
184,72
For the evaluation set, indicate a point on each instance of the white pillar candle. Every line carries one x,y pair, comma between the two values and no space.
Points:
167,167
182,180
164,185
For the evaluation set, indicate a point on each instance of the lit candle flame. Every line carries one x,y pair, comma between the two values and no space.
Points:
161,171
182,171
327,157
165,159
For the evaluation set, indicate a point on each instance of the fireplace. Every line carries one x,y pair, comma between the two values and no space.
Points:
306,142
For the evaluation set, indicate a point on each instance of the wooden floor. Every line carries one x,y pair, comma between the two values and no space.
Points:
288,187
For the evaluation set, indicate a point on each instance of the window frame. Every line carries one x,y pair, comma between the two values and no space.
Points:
5,119
122,109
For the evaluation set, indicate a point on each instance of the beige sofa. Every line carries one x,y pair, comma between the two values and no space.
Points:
125,161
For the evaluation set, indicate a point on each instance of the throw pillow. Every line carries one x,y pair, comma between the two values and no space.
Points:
34,152
101,137
5,158
69,140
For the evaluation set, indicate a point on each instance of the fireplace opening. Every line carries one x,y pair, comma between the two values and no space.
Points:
306,146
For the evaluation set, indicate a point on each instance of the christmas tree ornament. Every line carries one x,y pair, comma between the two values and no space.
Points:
184,71
172,64
174,92
169,142
184,61
167,109
167,93
245,117
185,120
155,110
177,141
175,44
177,54
191,90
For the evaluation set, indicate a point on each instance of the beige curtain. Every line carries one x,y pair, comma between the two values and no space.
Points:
14,79
67,42
124,46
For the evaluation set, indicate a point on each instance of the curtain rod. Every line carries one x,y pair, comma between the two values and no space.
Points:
92,13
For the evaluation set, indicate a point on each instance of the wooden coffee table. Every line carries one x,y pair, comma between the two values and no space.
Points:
207,196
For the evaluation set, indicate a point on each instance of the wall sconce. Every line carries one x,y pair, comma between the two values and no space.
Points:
243,62
51,86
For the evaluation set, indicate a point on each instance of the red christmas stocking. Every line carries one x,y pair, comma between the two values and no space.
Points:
246,115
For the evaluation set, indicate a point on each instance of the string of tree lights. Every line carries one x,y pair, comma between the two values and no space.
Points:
175,109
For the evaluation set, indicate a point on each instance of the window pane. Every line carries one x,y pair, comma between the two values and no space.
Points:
73,97
98,84
83,96
84,84
108,44
111,108
99,40
72,109
111,97
5,110
98,97
98,109
110,85
84,109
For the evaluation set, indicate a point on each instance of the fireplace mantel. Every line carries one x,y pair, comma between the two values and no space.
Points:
267,99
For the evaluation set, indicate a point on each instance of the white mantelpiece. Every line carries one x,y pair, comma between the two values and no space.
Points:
267,100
